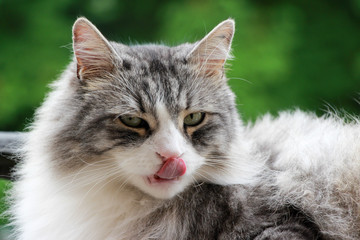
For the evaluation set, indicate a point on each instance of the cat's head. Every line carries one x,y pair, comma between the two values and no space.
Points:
155,117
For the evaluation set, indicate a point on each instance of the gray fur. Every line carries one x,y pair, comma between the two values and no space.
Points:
154,74
231,212
76,130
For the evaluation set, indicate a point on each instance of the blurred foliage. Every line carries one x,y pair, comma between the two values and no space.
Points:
4,186
288,53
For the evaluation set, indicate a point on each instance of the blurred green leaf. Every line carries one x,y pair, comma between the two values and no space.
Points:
288,53
4,186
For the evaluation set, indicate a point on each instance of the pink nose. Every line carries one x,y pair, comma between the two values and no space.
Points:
172,168
165,155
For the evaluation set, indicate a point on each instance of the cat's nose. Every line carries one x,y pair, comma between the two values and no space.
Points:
164,155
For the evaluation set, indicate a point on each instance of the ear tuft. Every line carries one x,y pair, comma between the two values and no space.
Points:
214,49
94,54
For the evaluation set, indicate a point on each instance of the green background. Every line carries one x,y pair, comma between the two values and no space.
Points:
287,53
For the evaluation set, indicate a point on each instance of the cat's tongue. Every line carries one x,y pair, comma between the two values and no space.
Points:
172,168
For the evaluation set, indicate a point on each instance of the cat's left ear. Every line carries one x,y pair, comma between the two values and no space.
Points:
211,53
94,54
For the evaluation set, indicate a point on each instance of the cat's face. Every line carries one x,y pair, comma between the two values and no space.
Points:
161,117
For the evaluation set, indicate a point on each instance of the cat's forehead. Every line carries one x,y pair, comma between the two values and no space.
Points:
155,74
150,52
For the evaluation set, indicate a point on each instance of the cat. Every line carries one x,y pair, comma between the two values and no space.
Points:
145,142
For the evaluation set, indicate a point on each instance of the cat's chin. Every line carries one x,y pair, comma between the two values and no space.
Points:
162,188
154,179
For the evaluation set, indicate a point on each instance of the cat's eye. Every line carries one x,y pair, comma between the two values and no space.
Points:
194,119
132,121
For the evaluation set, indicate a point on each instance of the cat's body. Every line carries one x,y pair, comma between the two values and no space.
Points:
145,142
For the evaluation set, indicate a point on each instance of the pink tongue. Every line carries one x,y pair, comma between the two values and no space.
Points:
172,168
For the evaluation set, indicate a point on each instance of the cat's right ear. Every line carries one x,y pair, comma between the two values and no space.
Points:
94,54
211,53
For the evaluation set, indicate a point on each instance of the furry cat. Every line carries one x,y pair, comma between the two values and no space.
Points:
145,142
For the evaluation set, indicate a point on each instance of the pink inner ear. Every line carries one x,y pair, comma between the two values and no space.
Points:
212,67
92,51
82,33
213,50
79,31
85,40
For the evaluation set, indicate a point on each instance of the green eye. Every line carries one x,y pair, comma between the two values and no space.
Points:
132,121
194,119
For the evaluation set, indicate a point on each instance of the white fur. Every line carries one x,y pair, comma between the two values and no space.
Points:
315,158
146,161
316,166
99,201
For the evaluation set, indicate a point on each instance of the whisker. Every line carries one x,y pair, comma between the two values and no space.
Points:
242,79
